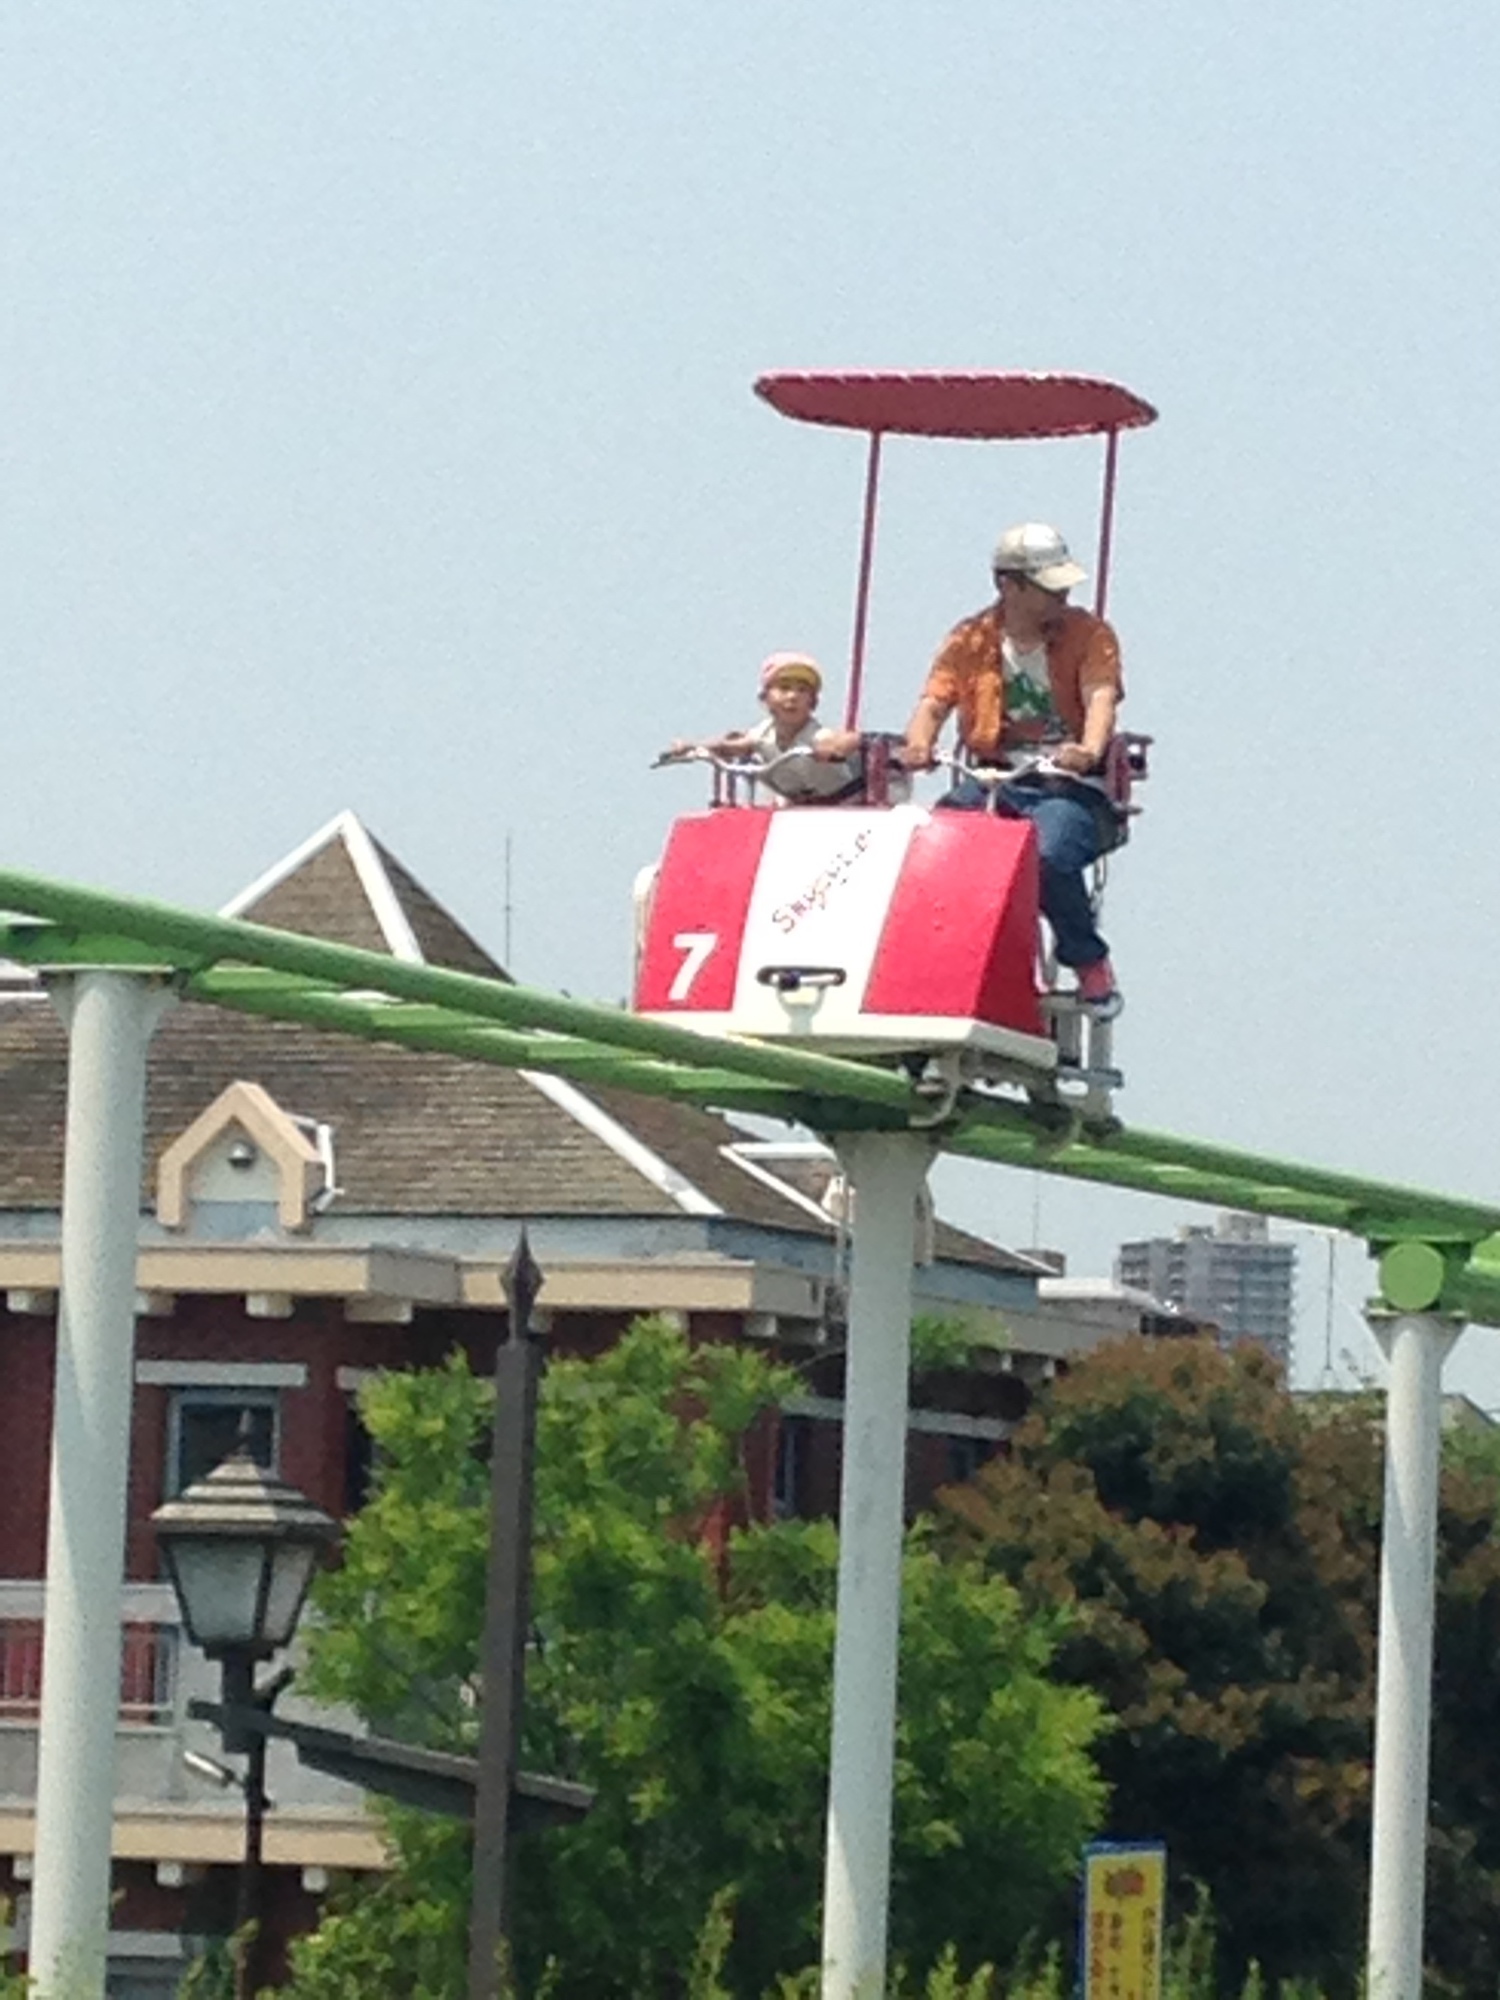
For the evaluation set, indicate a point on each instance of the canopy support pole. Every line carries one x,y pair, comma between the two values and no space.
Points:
885,1173
862,588
1106,522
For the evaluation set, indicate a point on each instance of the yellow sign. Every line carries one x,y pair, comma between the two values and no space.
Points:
1124,1893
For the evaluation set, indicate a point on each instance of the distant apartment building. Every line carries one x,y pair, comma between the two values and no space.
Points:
1232,1275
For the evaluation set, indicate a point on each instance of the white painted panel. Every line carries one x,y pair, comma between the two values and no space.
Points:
821,894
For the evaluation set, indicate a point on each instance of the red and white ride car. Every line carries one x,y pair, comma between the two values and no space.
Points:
876,928
860,928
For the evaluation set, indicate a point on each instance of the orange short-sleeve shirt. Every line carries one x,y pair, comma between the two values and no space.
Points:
1083,655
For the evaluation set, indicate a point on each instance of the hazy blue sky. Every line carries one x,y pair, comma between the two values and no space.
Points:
376,431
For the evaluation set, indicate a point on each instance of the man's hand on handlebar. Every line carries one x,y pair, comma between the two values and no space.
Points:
1073,758
914,756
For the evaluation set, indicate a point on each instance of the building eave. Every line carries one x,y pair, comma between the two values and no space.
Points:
378,1275
209,1835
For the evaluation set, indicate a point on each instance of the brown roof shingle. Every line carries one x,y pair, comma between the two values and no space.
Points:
441,938
323,898
413,1133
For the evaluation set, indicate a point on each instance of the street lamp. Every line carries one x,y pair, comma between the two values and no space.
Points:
241,1548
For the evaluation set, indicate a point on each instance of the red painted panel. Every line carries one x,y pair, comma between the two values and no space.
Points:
957,406
707,875
960,934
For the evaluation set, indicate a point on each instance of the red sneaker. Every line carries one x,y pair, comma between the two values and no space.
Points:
1097,989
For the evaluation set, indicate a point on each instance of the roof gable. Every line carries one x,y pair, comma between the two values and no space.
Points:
343,885
439,937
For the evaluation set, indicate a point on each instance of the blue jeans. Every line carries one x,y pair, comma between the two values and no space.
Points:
1070,834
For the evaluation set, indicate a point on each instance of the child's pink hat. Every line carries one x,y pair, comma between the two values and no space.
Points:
791,667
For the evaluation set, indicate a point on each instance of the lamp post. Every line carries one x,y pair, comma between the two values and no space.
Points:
507,1597
241,1548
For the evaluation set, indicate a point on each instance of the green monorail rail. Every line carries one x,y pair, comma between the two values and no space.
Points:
1437,1250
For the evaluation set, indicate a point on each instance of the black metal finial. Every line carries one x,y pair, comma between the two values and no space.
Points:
523,1282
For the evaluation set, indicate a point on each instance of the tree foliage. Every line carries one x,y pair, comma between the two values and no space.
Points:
686,1676
1221,1551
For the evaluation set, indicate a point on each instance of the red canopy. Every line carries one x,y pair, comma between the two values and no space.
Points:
958,406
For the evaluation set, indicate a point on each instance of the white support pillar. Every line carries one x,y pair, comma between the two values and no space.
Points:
1416,1345
110,1016
886,1172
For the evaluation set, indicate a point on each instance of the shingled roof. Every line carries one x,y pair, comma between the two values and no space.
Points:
416,1134
342,885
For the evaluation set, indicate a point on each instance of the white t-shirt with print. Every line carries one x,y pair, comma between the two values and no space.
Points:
806,777
1031,722
1029,714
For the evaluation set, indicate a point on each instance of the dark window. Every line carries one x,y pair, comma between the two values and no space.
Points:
207,1424
791,1457
359,1459
966,1455
146,1981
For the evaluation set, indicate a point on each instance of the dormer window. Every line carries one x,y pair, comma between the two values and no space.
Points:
245,1168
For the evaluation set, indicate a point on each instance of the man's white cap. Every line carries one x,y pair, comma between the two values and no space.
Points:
1035,551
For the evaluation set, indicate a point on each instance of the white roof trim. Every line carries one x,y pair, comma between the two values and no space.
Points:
745,1159
785,1149
395,926
287,865
1029,1258
596,1121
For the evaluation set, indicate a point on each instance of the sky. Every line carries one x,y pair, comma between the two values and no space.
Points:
376,431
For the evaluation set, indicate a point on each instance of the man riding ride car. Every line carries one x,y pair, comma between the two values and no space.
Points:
1036,684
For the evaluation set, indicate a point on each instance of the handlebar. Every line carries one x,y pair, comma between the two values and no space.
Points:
886,779
732,767
991,775
987,775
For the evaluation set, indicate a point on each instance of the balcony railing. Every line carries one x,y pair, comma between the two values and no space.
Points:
148,1672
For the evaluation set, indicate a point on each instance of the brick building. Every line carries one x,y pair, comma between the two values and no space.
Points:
314,1208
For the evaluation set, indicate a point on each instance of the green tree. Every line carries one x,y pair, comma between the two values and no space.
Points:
1221,1549
685,1675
